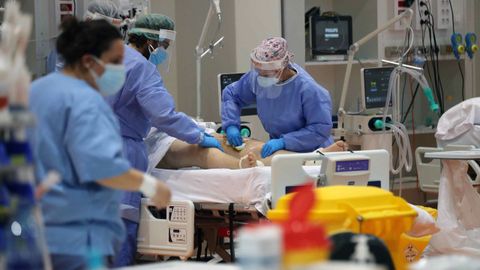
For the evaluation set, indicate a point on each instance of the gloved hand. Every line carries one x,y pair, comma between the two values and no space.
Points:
272,146
233,136
210,142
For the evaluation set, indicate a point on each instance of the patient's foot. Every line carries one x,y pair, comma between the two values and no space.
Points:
337,146
248,161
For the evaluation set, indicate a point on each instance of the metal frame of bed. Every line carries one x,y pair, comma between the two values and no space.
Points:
184,225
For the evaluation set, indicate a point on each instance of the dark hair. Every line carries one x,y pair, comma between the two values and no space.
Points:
85,37
138,40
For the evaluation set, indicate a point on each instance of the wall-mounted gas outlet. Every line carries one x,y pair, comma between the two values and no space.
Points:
420,12
444,14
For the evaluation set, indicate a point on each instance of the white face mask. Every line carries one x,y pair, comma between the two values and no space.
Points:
267,81
112,79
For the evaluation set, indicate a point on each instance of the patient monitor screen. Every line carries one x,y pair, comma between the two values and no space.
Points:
375,86
228,78
332,36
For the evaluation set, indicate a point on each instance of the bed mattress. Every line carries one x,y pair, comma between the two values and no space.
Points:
249,187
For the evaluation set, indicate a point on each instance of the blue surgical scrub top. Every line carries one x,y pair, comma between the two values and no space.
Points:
298,110
77,135
144,102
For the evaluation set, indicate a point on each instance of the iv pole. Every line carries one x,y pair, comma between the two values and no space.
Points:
407,15
201,52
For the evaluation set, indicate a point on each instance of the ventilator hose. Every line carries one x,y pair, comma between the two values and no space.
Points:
405,157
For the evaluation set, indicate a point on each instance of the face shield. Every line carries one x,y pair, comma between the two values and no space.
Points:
267,76
167,44
161,50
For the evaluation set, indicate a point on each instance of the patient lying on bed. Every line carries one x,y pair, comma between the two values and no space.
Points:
182,155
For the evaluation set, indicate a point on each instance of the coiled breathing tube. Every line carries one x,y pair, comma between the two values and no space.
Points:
399,131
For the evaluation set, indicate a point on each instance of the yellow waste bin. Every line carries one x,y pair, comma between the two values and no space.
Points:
368,210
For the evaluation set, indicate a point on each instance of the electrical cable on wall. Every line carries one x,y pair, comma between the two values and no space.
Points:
430,22
432,53
463,80
453,16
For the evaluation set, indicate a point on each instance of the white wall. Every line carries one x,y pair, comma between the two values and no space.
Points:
245,24
190,16
254,21
291,24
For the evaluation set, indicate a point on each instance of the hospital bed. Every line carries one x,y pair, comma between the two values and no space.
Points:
429,169
208,205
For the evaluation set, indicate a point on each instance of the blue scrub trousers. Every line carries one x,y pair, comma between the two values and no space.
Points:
136,153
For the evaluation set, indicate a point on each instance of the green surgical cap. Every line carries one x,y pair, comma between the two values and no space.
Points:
153,22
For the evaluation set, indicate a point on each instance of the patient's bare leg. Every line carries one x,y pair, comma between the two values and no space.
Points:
251,146
254,146
181,155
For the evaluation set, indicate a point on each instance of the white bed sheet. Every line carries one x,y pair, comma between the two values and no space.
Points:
249,187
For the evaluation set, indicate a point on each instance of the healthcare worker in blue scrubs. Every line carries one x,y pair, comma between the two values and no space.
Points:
294,109
143,103
78,136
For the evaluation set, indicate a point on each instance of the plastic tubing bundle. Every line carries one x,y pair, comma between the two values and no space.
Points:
399,131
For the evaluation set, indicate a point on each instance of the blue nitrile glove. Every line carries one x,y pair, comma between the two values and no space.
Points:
234,137
209,141
272,146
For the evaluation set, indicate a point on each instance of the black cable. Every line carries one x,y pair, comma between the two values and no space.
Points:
453,17
463,80
442,91
439,78
438,92
434,56
231,216
199,244
410,106
434,62
425,27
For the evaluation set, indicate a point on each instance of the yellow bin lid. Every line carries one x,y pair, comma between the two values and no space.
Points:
358,209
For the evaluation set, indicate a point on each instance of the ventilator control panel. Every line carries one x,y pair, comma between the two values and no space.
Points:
177,213
349,169
178,236
169,233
